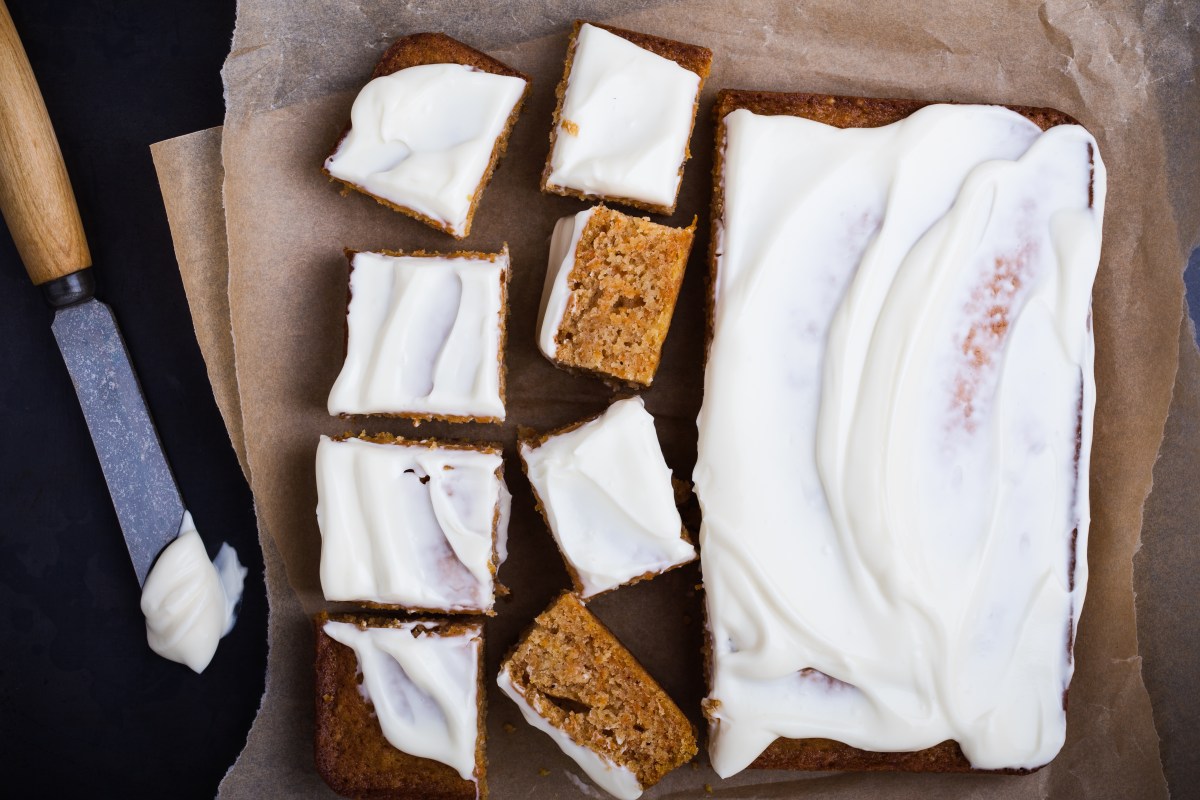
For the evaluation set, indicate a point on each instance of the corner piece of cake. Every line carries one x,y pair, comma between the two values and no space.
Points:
413,525
426,132
609,294
574,681
894,576
400,708
425,336
606,493
626,108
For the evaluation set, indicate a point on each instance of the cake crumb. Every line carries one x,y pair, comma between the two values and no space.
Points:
570,127
624,281
708,788
509,727
543,772
582,681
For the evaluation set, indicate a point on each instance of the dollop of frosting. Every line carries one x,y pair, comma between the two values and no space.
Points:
606,490
190,602
423,686
423,137
625,121
901,561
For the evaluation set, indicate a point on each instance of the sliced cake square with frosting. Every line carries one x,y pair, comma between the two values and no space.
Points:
626,108
574,681
400,707
606,493
426,132
609,294
414,525
424,336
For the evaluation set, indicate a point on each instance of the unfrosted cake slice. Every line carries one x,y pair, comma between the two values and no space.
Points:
414,525
610,291
626,107
426,132
576,683
894,575
605,491
425,336
400,708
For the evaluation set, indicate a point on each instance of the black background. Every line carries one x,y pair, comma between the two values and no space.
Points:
85,706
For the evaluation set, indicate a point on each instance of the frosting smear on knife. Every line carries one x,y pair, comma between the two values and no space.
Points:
894,566
189,602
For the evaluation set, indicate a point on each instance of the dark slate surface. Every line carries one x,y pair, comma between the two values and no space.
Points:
85,708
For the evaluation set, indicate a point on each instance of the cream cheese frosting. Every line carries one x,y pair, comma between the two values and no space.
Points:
423,686
606,491
625,121
556,291
613,778
409,524
909,307
423,137
190,602
424,336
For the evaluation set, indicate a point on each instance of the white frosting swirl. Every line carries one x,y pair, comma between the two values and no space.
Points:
625,121
422,137
423,336
908,307
409,524
607,493
423,686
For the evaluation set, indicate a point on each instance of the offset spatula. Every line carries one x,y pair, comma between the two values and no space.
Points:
39,207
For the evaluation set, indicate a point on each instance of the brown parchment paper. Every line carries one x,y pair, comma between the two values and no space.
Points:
190,176
286,227
1167,578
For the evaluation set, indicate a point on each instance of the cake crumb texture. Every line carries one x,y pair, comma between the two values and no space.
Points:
580,678
623,285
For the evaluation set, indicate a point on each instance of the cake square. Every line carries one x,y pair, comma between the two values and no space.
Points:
425,336
894,576
426,132
606,494
574,681
626,108
414,525
610,291
400,708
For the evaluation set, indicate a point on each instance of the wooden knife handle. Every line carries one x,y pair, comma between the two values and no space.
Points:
35,192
